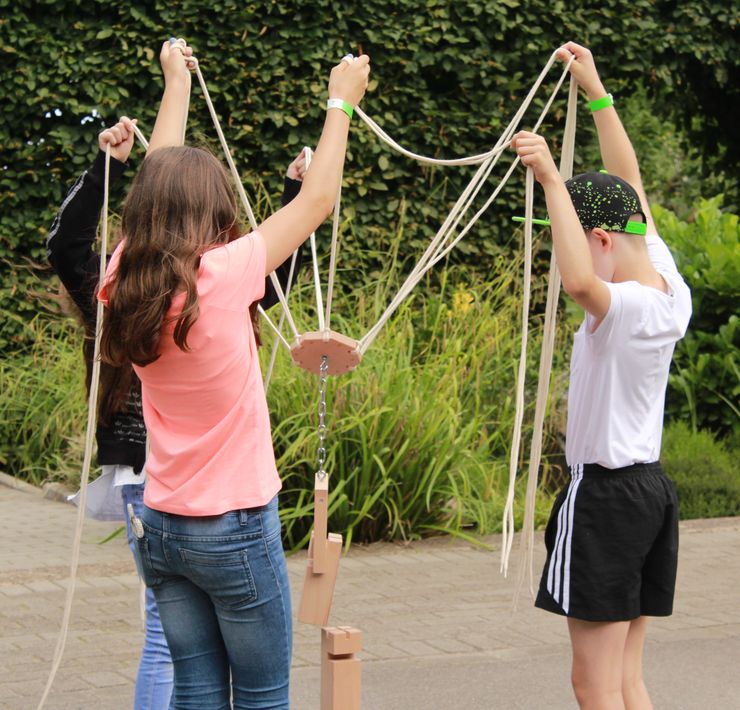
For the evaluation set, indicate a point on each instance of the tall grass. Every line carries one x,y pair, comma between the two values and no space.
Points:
42,404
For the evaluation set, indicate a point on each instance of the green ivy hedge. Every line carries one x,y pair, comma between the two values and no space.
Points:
446,78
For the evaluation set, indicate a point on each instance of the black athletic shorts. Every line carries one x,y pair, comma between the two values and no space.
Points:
612,545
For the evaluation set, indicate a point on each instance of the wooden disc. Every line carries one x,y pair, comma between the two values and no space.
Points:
342,352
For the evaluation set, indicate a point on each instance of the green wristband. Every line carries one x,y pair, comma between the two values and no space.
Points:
340,104
603,102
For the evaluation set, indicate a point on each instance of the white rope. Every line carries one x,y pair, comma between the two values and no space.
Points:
333,257
144,142
497,150
273,354
142,604
433,254
469,160
378,131
240,188
315,259
92,401
419,269
284,303
224,145
536,128
506,140
508,520
273,326
526,571
438,248
436,252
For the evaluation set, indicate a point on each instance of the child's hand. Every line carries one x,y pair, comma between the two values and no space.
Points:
534,153
120,137
173,59
348,80
297,169
583,68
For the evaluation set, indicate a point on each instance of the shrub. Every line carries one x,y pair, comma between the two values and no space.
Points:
705,471
704,386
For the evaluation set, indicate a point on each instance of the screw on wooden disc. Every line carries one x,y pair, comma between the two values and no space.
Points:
343,352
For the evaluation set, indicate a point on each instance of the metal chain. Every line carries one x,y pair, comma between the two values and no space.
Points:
323,377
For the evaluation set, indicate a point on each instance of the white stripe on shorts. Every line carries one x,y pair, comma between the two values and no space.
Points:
569,541
551,576
563,537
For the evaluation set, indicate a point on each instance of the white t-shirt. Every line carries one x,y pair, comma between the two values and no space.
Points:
619,372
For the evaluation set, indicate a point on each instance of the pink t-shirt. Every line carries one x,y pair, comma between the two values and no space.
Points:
205,409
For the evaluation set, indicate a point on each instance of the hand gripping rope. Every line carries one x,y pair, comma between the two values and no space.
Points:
326,352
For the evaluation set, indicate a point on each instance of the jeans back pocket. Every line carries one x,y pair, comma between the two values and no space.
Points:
225,576
144,565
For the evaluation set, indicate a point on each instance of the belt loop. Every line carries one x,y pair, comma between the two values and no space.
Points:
243,516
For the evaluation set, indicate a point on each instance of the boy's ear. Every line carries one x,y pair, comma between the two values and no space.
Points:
603,237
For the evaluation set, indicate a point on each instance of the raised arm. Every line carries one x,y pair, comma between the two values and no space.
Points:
169,128
617,153
291,225
72,234
572,251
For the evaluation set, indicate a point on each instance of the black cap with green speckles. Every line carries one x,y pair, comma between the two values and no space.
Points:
606,201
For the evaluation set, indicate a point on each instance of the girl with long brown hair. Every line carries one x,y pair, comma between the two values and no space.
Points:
178,293
120,434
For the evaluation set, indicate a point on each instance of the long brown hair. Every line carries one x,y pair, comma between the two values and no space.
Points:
180,204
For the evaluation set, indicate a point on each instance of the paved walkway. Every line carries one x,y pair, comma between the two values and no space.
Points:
435,615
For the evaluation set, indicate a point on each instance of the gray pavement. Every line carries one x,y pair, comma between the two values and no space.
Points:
438,629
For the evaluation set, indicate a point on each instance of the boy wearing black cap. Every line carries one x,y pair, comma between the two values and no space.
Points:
612,539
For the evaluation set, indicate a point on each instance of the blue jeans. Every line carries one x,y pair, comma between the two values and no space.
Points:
221,585
154,679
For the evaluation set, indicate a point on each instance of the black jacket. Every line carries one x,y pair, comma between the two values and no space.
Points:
70,252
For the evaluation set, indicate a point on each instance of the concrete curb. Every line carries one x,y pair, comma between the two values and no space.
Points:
50,491
18,484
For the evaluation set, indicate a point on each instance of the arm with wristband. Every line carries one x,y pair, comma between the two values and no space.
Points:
617,153
291,225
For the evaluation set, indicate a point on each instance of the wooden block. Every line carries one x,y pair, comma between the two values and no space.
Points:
320,517
341,684
318,589
340,640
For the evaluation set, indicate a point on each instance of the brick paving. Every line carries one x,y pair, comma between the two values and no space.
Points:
436,616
